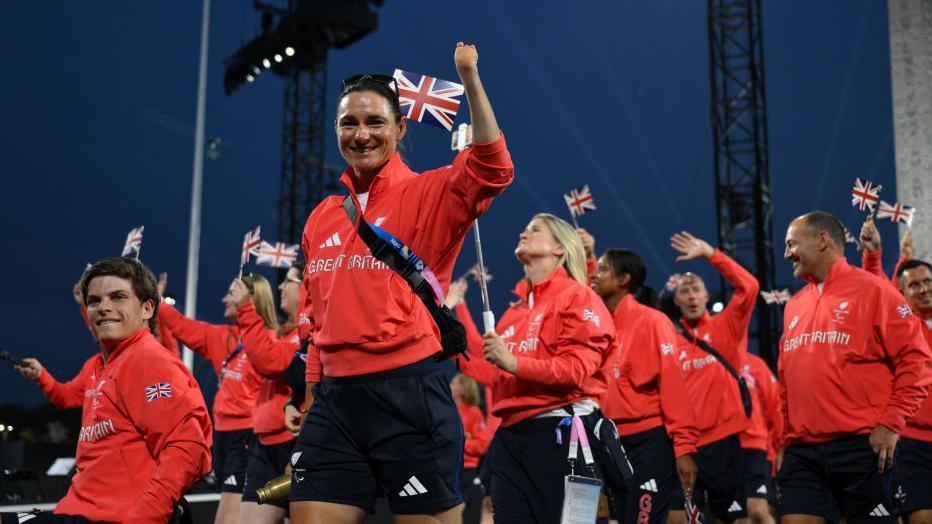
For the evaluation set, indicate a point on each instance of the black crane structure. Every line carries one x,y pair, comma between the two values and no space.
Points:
293,44
739,133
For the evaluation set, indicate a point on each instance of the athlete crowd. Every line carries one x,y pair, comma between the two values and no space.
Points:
348,397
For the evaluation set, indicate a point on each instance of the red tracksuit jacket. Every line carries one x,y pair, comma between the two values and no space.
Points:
714,393
852,356
766,419
239,382
919,427
562,335
362,316
145,436
646,388
477,435
270,355
872,262
67,395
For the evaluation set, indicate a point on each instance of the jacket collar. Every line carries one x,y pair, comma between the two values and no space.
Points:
389,174
136,337
839,268
540,289
703,320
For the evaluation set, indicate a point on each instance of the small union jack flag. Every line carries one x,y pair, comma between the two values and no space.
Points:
671,282
896,213
904,311
579,200
133,241
158,390
276,255
851,239
251,243
427,99
865,195
693,513
776,297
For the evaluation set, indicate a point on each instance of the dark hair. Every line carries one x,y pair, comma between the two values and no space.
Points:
624,261
143,281
300,264
379,87
820,221
911,264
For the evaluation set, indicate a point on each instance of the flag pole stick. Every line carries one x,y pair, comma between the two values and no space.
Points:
488,318
573,216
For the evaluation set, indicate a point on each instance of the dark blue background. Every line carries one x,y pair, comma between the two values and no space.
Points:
98,107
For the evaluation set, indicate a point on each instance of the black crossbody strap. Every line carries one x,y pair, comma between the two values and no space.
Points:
452,332
742,384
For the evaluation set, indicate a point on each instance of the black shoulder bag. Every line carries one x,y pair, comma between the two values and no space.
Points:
452,332
742,384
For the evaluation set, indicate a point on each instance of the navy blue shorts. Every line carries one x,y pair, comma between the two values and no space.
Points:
397,432
720,479
230,453
913,476
833,480
648,496
264,464
758,475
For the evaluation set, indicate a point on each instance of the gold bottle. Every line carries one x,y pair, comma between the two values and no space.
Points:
275,490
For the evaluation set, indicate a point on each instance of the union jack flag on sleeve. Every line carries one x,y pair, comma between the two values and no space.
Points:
427,99
776,297
251,243
158,390
896,213
579,200
865,195
133,242
276,255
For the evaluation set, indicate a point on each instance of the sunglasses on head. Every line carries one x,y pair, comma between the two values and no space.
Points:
380,78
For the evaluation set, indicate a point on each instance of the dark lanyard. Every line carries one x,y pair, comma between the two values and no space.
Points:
227,360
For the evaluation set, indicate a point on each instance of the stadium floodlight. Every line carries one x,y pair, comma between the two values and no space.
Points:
289,51
278,57
266,63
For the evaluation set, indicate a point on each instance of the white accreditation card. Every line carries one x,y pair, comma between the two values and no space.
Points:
581,500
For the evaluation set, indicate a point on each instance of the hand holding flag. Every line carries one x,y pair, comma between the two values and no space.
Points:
427,99
133,242
276,255
865,195
251,243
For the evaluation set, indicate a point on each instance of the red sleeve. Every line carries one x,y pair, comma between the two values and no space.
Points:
679,418
168,339
479,434
770,395
477,367
313,369
66,395
904,343
580,347
177,432
211,341
476,176
899,264
871,261
268,353
737,314
779,433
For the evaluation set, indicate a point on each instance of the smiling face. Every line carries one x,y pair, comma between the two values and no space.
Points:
114,309
229,306
537,242
604,281
803,248
290,292
367,131
916,285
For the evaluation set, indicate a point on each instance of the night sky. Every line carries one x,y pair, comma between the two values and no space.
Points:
98,110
